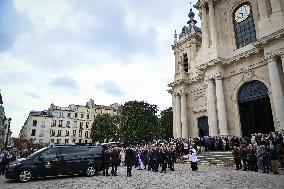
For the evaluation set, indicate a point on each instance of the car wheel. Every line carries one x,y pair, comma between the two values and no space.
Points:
25,175
91,171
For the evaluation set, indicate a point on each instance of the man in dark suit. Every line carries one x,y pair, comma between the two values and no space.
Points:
129,160
156,159
163,159
172,158
114,161
106,161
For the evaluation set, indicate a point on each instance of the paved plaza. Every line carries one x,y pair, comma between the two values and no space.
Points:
182,177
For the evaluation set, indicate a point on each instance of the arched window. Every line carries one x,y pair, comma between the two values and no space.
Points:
244,25
185,62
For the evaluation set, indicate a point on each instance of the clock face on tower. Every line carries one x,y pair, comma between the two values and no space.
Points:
242,13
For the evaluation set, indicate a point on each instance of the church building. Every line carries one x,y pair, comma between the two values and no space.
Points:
229,74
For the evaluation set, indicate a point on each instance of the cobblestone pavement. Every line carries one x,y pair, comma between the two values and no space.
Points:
182,177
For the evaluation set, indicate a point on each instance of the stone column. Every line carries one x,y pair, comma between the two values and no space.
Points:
282,60
275,5
221,108
204,25
174,115
178,117
184,125
213,30
277,91
211,109
262,9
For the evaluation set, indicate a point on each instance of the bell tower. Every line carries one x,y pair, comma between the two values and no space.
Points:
186,45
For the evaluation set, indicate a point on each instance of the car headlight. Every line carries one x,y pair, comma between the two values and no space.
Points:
13,165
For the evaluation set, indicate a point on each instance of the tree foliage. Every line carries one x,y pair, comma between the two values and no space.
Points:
139,122
105,128
166,123
23,144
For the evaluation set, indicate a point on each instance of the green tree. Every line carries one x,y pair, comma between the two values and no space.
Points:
139,122
105,128
166,123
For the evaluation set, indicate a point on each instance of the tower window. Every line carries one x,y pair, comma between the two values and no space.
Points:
185,62
244,25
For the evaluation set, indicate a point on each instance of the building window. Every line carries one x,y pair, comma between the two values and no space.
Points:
80,140
41,134
69,115
67,133
34,123
75,124
87,125
244,25
74,141
59,133
58,141
51,140
82,115
52,133
80,133
60,123
87,134
74,133
76,115
43,124
33,132
88,116
54,123
185,62
66,141
81,125
68,124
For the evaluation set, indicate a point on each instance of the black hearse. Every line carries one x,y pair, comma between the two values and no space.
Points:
57,160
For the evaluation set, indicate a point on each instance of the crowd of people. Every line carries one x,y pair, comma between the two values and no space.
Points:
149,157
260,152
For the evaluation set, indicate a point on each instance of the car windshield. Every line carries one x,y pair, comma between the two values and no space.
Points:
37,152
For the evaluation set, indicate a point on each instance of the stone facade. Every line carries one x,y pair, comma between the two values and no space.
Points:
64,125
219,62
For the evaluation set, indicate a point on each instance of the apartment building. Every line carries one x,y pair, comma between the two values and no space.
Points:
64,125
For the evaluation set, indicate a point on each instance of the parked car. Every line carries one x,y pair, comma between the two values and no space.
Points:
57,160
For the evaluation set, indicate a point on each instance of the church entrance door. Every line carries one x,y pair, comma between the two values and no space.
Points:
255,109
203,126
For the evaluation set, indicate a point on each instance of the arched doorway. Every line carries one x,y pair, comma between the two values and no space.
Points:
203,126
255,109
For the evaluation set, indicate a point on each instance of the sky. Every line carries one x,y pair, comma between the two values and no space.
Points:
69,51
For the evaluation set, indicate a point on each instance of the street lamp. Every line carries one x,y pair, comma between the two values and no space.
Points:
8,132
